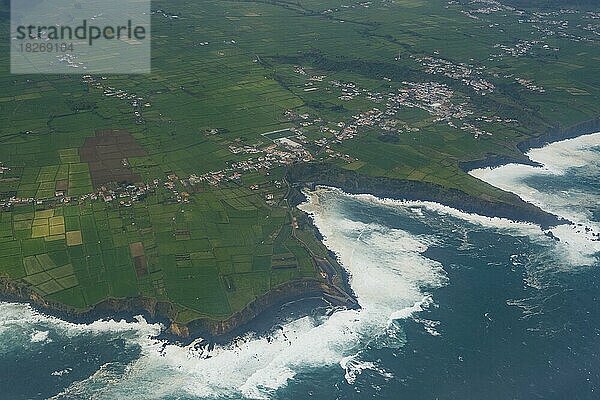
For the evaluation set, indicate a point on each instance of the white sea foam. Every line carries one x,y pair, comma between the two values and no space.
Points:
354,366
389,275
40,337
62,372
496,223
560,156
556,159
23,315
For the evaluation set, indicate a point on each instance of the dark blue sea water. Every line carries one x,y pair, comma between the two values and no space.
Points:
454,306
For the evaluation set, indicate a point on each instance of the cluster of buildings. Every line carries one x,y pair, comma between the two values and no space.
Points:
435,98
124,195
519,49
472,129
484,7
358,4
349,90
246,149
529,84
283,151
70,60
469,75
137,103
317,78
310,84
8,204
299,70
556,24
340,131
439,100
171,185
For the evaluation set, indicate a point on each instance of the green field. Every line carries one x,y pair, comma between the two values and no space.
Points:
211,248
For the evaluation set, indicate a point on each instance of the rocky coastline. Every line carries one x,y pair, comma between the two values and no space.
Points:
163,313
312,175
301,176
555,134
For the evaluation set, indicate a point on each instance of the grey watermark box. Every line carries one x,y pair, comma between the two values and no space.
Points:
80,36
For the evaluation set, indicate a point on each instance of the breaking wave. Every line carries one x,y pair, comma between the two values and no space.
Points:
565,184
390,272
390,276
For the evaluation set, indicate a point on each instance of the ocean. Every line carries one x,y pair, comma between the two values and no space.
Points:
453,306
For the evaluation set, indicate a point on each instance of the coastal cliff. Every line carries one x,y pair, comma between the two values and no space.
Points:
291,291
513,207
354,183
311,175
164,313
555,134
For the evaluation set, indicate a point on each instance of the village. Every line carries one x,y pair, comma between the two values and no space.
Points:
547,24
281,152
136,102
435,98
469,75
122,194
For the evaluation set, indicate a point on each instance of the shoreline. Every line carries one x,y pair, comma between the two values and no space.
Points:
261,315
552,136
313,175
297,197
